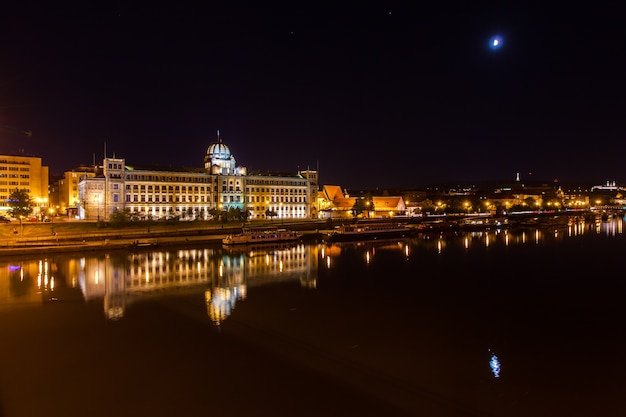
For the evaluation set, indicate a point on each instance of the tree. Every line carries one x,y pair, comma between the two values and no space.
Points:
428,206
363,204
20,204
120,216
214,213
358,207
271,214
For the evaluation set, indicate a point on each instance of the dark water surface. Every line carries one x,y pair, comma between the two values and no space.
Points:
499,323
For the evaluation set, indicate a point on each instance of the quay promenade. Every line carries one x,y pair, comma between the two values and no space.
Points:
73,236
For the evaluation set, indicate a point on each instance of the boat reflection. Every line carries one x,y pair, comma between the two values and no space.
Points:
442,241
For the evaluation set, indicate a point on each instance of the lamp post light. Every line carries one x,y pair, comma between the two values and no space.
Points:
281,214
40,203
98,200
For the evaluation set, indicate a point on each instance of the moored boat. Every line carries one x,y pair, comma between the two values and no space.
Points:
250,236
349,232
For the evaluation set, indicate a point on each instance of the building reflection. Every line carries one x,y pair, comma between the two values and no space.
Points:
245,267
121,279
223,277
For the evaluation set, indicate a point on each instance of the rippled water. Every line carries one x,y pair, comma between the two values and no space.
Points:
499,323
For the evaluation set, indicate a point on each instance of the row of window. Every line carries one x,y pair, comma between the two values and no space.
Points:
7,161
278,208
4,198
260,199
157,209
14,176
276,182
165,188
4,168
172,199
203,179
276,190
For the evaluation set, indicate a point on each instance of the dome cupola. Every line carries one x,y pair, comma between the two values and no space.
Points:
218,150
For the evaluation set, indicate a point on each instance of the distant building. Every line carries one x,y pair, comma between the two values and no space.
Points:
194,193
24,173
335,203
64,191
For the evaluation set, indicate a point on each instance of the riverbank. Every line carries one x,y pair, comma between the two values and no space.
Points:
77,236
17,239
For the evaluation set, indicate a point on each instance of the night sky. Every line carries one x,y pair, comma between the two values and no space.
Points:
389,94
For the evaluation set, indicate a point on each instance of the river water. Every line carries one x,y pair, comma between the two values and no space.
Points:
492,323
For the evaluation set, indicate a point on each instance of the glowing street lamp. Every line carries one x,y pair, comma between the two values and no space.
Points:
98,200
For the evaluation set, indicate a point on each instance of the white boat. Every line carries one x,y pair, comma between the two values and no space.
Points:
348,232
253,237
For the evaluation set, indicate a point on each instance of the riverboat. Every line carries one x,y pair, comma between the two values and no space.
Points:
349,232
254,237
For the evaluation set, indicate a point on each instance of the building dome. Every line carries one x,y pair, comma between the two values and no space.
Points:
218,158
218,151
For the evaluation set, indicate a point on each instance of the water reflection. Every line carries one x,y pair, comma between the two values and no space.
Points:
223,276
120,279
441,242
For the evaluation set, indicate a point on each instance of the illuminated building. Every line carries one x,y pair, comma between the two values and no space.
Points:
286,196
335,203
195,193
23,173
66,200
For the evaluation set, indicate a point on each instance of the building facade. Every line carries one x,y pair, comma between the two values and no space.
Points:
65,198
24,173
194,193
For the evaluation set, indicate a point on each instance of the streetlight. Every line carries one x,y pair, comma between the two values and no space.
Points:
98,200
281,213
40,201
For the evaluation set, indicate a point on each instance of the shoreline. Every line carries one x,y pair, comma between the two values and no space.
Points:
84,237
125,239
